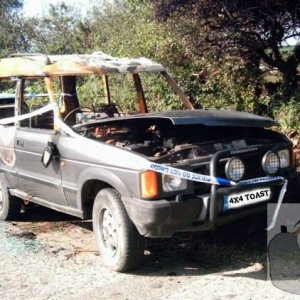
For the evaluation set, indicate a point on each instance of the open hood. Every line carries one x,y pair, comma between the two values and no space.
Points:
207,118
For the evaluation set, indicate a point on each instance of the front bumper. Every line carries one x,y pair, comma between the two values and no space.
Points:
163,218
189,212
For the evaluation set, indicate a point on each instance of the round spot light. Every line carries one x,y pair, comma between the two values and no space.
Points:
271,163
234,169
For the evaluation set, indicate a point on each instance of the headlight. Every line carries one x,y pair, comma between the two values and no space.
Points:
284,157
234,169
171,183
271,163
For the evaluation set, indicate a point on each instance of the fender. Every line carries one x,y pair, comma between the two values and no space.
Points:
105,175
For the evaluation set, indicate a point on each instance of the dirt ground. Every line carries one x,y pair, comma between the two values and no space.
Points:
48,255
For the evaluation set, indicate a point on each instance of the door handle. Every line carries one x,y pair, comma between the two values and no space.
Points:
20,143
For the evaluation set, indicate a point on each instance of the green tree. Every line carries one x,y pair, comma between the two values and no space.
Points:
11,35
61,31
252,29
8,7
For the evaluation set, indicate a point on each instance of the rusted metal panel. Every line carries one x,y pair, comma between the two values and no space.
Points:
106,88
69,98
140,94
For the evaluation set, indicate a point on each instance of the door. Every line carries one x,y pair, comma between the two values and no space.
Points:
33,177
32,137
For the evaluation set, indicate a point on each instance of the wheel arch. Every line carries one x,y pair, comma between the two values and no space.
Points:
91,182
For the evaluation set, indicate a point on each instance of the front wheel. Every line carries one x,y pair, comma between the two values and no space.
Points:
10,207
120,244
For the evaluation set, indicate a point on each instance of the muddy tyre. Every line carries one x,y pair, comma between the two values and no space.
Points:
10,207
120,245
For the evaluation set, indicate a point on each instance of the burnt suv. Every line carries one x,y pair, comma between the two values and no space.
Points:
69,143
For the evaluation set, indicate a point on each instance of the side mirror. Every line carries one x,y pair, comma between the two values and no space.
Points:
49,152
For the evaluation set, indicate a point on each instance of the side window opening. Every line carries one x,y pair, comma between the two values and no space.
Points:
123,93
7,98
159,94
90,91
93,96
114,91
35,96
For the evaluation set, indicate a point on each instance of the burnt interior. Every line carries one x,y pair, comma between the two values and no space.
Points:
159,139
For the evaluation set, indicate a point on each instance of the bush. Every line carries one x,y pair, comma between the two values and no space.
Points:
288,115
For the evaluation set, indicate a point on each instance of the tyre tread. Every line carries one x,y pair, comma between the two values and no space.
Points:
134,243
12,205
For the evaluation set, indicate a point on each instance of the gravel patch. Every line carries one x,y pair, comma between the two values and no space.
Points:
32,269
57,259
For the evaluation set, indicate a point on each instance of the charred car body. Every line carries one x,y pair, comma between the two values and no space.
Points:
94,161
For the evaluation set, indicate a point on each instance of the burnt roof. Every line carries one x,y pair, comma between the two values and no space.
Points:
73,64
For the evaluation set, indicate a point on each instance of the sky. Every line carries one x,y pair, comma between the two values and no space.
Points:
39,7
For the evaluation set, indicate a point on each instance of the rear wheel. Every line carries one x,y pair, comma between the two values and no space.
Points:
10,207
120,245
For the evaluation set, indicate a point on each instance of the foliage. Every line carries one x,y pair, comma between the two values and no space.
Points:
120,31
90,91
8,7
229,85
289,115
252,29
11,33
59,32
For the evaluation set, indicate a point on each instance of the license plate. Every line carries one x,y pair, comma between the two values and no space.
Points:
246,198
